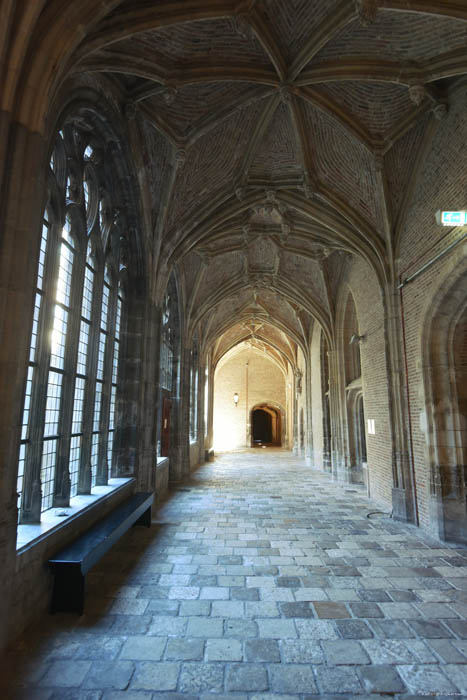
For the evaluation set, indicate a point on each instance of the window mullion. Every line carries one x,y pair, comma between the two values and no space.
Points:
62,474
119,464
32,493
85,475
103,468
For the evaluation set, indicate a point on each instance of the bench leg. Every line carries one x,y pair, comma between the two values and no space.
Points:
68,591
145,518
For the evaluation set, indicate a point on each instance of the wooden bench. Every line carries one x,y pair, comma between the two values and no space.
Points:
71,564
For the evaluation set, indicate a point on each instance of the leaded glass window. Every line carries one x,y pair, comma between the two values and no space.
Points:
69,418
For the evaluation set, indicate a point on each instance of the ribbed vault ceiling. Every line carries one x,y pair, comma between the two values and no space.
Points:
278,137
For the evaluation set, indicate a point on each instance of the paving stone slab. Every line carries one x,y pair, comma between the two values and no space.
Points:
157,676
366,610
247,677
189,608
430,629
301,651
184,649
425,679
202,678
145,648
204,627
63,674
115,675
241,629
392,629
223,650
338,680
296,609
381,679
330,610
388,651
447,651
354,629
257,650
345,652
291,678
277,628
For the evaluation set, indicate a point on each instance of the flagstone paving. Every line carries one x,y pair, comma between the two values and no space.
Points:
259,578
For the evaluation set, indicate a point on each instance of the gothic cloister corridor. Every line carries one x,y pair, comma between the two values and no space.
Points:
260,577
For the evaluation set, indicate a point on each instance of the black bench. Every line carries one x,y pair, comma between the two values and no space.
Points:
71,564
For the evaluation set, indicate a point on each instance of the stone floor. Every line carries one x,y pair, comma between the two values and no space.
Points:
259,578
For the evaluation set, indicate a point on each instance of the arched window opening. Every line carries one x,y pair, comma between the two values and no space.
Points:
194,389
69,412
206,402
166,355
353,368
354,393
169,371
324,361
445,367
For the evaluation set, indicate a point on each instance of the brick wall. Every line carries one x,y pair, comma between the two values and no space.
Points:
442,184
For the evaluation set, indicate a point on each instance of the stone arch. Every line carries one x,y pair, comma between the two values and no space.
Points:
444,352
278,424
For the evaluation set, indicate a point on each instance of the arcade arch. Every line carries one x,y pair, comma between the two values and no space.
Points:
445,385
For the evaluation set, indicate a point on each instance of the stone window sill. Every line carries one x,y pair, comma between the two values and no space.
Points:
31,534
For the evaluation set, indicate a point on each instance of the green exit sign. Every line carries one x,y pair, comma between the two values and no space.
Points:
451,218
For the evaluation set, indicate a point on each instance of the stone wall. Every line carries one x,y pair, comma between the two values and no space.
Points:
32,580
369,306
315,390
266,383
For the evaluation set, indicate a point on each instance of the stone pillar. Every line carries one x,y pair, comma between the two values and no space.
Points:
297,390
308,415
184,412
200,428
22,157
209,440
403,501
140,403
340,470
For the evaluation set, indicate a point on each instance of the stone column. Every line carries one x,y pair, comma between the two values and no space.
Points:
200,429
180,418
308,406
22,158
403,502
296,392
208,443
140,394
340,471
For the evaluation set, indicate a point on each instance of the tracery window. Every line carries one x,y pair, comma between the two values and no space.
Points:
72,387
169,374
167,350
194,389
